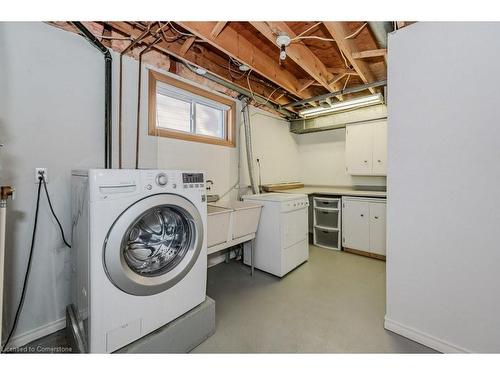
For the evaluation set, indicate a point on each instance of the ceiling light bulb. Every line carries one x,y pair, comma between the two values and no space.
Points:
344,106
282,52
244,68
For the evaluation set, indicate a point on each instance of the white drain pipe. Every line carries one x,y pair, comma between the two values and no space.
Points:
5,193
248,144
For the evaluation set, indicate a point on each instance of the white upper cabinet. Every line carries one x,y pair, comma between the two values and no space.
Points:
366,149
379,137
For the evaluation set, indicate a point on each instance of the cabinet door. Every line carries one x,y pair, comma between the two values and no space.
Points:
358,149
377,227
356,225
379,148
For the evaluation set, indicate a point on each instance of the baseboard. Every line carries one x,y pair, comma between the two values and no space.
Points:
37,333
423,338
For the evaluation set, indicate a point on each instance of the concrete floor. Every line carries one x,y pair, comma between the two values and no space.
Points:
334,303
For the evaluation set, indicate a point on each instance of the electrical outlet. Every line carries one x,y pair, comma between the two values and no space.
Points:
41,171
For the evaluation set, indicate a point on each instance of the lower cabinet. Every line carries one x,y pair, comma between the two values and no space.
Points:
364,224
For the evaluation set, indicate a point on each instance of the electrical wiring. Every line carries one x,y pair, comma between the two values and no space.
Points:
177,31
232,71
356,33
312,37
308,29
41,182
114,37
345,59
28,269
54,214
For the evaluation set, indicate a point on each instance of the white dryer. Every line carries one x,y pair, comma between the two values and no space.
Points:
139,252
282,240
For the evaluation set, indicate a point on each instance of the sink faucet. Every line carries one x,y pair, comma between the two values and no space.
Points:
207,182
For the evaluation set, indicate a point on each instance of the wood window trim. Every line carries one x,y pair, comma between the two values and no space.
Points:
229,123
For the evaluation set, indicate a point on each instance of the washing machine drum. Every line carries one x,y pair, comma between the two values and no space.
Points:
153,244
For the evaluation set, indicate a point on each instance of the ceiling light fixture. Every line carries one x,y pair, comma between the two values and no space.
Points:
283,41
364,101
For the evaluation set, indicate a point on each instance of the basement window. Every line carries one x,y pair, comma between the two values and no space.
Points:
183,111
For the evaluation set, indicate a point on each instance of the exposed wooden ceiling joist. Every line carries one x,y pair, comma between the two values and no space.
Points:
300,54
218,28
347,46
187,44
382,52
306,83
234,45
206,60
342,71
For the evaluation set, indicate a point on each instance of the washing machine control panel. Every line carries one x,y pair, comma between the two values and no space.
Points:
161,179
193,180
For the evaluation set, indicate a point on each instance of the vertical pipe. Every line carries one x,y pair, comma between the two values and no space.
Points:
248,144
138,123
120,92
3,209
108,137
5,193
108,141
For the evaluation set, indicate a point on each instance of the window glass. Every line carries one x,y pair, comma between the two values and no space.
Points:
209,121
173,113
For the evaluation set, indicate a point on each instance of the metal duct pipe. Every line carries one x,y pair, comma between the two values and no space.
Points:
108,141
259,99
380,31
248,144
348,90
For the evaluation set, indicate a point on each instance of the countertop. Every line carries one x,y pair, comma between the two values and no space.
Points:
334,190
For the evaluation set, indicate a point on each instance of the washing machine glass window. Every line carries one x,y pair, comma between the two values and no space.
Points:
157,241
153,244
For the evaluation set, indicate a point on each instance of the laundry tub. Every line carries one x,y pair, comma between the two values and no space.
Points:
218,225
245,220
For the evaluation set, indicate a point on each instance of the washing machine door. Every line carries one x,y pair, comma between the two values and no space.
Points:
153,244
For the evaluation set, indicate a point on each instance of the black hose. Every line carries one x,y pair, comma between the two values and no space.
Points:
54,214
26,276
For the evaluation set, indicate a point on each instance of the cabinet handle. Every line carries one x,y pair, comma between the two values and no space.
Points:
362,215
366,161
380,161
376,217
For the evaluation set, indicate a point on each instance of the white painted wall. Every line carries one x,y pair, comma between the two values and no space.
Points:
313,158
274,146
443,256
219,163
51,115
322,160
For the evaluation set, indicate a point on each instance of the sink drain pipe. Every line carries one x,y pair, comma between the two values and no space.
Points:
108,141
248,144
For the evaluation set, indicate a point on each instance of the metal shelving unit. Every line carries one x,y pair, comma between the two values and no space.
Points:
327,218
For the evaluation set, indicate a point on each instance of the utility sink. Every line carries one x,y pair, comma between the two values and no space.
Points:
231,223
218,220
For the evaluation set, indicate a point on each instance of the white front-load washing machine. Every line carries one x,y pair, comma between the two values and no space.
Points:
139,252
